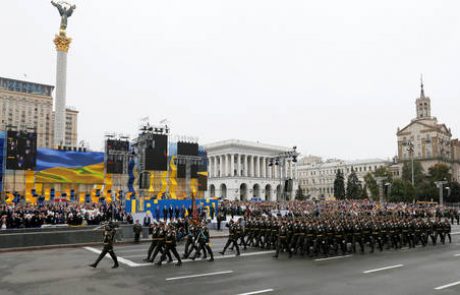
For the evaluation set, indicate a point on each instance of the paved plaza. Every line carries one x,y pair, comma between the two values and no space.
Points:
429,270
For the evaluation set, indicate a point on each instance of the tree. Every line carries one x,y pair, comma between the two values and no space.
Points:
299,194
353,186
426,189
364,194
439,172
401,191
372,185
339,185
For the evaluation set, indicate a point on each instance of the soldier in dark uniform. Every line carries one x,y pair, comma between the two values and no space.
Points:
232,238
161,244
137,229
189,241
109,237
282,242
170,246
203,241
446,228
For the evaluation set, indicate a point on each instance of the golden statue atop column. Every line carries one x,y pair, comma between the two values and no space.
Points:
61,40
62,43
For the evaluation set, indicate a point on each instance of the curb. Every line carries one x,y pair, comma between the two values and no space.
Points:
79,245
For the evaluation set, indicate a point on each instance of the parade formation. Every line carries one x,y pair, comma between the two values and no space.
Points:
365,228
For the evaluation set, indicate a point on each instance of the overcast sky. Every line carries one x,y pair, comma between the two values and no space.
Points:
336,78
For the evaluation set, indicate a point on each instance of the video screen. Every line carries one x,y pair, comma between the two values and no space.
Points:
156,153
21,151
56,166
187,149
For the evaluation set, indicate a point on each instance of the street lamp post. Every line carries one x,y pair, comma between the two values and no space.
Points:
380,180
440,185
410,148
281,161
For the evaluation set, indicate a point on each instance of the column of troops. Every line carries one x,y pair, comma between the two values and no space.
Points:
312,236
331,235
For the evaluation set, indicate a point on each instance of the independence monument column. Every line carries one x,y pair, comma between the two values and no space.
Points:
62,43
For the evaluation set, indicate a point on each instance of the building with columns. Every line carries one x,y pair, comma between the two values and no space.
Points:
241,170
426,140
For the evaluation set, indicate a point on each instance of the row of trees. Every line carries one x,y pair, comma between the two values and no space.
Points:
399,189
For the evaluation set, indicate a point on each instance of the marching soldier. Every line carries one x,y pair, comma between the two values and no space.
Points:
203,241
170,246
109,237
160,245
232,238
282,242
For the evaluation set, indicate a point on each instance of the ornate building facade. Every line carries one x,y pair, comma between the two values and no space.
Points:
241,170
426,140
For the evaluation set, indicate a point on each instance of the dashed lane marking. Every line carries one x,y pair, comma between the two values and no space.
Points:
383,268
332,258
200,275
447,286
257,292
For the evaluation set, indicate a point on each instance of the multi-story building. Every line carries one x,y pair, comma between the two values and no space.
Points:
426,140
29,106
71,123
241,170
316,178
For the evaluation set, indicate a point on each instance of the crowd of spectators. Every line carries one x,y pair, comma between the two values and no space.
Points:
72,214
344,207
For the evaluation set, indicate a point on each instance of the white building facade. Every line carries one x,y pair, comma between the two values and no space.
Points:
316,178
241,170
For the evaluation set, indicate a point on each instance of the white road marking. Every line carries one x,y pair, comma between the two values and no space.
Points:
200,275
332,258
257,292
455,233
120,259
447,286
383,268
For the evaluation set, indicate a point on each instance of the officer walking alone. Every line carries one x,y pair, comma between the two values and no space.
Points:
109,237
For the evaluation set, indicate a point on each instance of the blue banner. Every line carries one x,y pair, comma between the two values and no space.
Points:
157,207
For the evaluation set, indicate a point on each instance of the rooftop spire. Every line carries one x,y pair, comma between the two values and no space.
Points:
422,91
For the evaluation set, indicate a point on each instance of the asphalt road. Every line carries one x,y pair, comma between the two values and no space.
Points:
429,270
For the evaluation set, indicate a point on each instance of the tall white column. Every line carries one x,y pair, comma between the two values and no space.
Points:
60,95
270,171
251,166
264,167
258,166
238,165
221,166
246,166
232,165
210,166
